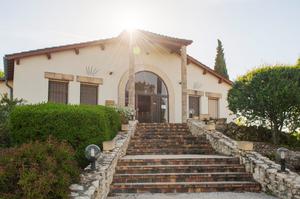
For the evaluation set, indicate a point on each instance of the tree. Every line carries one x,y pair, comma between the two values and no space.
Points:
220,64
270,96
1,74
298,62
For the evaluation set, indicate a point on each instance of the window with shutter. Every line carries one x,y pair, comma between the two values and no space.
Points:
88,94
58,92
213,108
194,106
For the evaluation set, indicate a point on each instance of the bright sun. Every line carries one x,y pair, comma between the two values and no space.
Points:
130,21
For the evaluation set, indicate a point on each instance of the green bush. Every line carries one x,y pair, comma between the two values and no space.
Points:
269,96
79,125
37,170
6,106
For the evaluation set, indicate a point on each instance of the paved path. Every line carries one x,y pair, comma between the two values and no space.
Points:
213,195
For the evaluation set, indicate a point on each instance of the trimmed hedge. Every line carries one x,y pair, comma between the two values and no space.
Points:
79,125
38,170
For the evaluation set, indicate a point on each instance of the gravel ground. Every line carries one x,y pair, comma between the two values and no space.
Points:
214,195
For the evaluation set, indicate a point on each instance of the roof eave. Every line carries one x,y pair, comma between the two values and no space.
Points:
208,69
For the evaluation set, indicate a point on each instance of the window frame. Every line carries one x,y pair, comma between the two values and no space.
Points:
218,105
92,85
199,105
67,91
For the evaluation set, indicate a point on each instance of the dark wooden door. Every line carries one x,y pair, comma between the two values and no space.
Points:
151,108
144,108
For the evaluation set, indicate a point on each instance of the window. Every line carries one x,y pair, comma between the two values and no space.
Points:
88,94
194,106
213,107
58,92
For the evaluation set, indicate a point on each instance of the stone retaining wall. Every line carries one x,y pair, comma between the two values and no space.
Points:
282,185
95,184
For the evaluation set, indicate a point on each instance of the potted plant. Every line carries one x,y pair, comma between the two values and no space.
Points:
126,115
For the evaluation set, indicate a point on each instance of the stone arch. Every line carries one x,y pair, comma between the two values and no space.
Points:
162,75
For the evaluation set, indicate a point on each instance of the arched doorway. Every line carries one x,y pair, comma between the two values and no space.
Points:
151,98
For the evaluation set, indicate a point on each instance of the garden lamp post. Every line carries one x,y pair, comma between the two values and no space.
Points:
92,152
282,153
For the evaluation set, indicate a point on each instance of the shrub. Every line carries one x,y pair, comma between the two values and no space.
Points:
79,125
270,95
6,105
37,170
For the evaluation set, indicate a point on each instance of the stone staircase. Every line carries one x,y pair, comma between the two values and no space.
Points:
167,158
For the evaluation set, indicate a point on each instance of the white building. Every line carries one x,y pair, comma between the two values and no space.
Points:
169,84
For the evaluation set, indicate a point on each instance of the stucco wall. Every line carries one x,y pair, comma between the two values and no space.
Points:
30,83
208,83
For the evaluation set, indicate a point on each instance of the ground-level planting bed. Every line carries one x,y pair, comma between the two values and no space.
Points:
46,147
261,138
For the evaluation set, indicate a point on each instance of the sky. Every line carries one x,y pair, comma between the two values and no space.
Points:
253,32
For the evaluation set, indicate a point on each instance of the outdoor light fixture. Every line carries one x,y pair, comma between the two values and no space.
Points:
282,153
92,152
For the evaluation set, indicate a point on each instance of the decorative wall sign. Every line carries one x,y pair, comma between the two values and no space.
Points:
91,71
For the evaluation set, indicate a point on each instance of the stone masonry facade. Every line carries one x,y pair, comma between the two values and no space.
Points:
264,171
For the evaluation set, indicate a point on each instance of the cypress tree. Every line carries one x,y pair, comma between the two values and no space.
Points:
220,64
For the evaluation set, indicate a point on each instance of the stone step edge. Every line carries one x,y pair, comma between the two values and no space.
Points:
174,157
183,174
187,183
186,165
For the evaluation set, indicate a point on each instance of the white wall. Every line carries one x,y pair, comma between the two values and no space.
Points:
208,83
30,84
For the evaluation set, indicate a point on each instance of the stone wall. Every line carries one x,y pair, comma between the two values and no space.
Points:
95,184
282,185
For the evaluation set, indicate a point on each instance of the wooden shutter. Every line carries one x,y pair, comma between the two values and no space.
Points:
194,106
213,107
58,92
88,94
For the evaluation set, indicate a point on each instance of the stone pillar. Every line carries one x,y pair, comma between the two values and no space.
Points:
183,83
204,104
131,81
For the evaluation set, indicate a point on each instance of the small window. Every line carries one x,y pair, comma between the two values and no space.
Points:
58,92
213,107
88,94
194,106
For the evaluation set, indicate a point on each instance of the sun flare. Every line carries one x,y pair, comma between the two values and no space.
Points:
130,21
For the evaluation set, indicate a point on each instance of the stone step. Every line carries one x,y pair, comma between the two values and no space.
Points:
168,145
165,158
184,187
176,161
201,168
181,133
182,177
167,141
162,128
165,136
162,124
145,130
155,151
